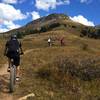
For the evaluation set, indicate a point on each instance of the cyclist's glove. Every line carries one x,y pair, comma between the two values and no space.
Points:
21,53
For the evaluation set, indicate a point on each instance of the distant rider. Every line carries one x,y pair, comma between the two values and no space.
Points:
62,41
49,41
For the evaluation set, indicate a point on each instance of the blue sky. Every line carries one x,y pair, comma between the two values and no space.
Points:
16,13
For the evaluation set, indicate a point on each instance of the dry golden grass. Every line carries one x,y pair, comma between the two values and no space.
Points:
2,45
40,67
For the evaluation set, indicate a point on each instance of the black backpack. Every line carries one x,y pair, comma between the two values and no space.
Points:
13,45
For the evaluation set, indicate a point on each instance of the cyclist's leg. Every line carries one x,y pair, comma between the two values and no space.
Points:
9,64
18,71
9,60
17,63
48,43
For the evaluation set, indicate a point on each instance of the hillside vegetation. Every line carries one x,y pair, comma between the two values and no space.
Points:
56,22
70,72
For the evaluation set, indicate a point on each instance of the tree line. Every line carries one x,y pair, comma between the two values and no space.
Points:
91,32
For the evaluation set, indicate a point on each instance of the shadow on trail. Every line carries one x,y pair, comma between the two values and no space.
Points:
4,88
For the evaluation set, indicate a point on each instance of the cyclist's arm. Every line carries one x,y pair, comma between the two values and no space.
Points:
21,50
6,48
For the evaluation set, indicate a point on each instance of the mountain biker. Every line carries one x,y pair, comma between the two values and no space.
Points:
62,41
49,41
13,49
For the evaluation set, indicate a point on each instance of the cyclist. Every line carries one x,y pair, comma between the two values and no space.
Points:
62,41
13,49
49,41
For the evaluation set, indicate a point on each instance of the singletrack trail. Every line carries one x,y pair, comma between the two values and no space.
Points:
3,69
28,51
4,82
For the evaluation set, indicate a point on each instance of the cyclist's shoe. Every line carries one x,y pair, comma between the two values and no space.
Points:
8,69
17,78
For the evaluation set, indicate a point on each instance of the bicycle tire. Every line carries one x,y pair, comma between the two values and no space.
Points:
12,79
14,74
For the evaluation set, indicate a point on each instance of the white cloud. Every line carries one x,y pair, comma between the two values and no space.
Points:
10,25
1,21
3,30
21,1
47,4
62,2
82,1
81,19
35,15
86,1
9,1
13,1
8,14
67,2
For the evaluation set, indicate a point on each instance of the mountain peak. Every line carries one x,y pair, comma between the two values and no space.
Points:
47,20
54,16
47,23
58,16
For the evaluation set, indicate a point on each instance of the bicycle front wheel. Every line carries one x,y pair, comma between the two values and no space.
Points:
12,78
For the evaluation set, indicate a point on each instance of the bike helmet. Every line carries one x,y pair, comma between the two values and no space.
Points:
13,36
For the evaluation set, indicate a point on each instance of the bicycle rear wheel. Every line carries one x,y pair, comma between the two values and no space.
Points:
12,78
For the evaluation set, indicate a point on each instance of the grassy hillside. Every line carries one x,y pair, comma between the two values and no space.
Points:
70,72
55,22
2,43
47,23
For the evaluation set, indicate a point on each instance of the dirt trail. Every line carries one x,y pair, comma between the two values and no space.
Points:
4,79
5,96
27,51
3,69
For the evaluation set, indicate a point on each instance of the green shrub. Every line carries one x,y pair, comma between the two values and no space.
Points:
20,35
84,46
44,73
85,69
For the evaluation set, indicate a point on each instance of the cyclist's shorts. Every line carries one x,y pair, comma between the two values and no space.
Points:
15,56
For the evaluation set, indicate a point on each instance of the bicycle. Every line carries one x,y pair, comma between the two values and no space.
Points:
12,76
